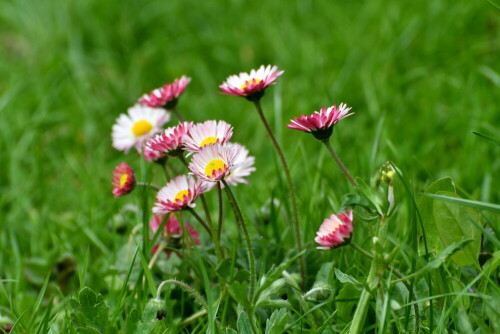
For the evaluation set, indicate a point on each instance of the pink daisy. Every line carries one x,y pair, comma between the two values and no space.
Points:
251,85
123,180
136,127
335,230
243,165
178,194
321,123
170,141
213,162
166,96
206,133
172,233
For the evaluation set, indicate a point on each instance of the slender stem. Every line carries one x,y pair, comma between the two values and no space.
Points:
213,233
198,218
156,255
147,185
293,196
242,225
165,170
221,210
178,114
341,165
195,294
371,283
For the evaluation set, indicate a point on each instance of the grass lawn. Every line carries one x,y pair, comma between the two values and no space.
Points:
421,78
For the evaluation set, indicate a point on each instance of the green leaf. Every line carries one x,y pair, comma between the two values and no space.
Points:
239,291
243,323
455,223
344,278
487,138
426,206
346,300
467,202
277,322
325,273
90,313
148,321
231,331
132,321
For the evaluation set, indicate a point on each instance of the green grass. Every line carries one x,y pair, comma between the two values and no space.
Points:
420,76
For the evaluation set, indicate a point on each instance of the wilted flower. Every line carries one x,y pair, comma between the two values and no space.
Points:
170,141
213,162
172,233
166,96
251,85
335,230
123,180
134,129
206,133
178,194
320,124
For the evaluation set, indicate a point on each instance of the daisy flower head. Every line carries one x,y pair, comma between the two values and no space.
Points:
170,141
251,85
137,126
123,180
206,133
243,165
166,96
172,233
335,230
213,162
320,124
177,195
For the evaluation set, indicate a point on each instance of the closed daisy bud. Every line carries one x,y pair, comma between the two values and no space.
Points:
335,230
206,133
178,194
137,126
123,180
159,306
213,162
166,96
320,124
251,85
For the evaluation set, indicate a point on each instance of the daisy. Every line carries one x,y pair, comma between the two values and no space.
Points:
136,127
243,163
251,85
123,180
172,233
206,133
178,194
321,123
170,141
335,230
213,162
166,96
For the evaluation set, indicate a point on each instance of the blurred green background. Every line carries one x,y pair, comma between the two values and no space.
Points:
420,76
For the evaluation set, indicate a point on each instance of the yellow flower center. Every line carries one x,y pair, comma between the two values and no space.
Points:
208,141
180,195
123,180
250,82
141,127
213,166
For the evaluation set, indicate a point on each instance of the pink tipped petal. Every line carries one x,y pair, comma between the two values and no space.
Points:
167,95
213,162
178,194
335,230
253,83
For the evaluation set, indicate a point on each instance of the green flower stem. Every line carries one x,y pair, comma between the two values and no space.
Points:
147,185
200,220
371,283
242,225
293,196
177,114
341,165
221,210
195,294
156,255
